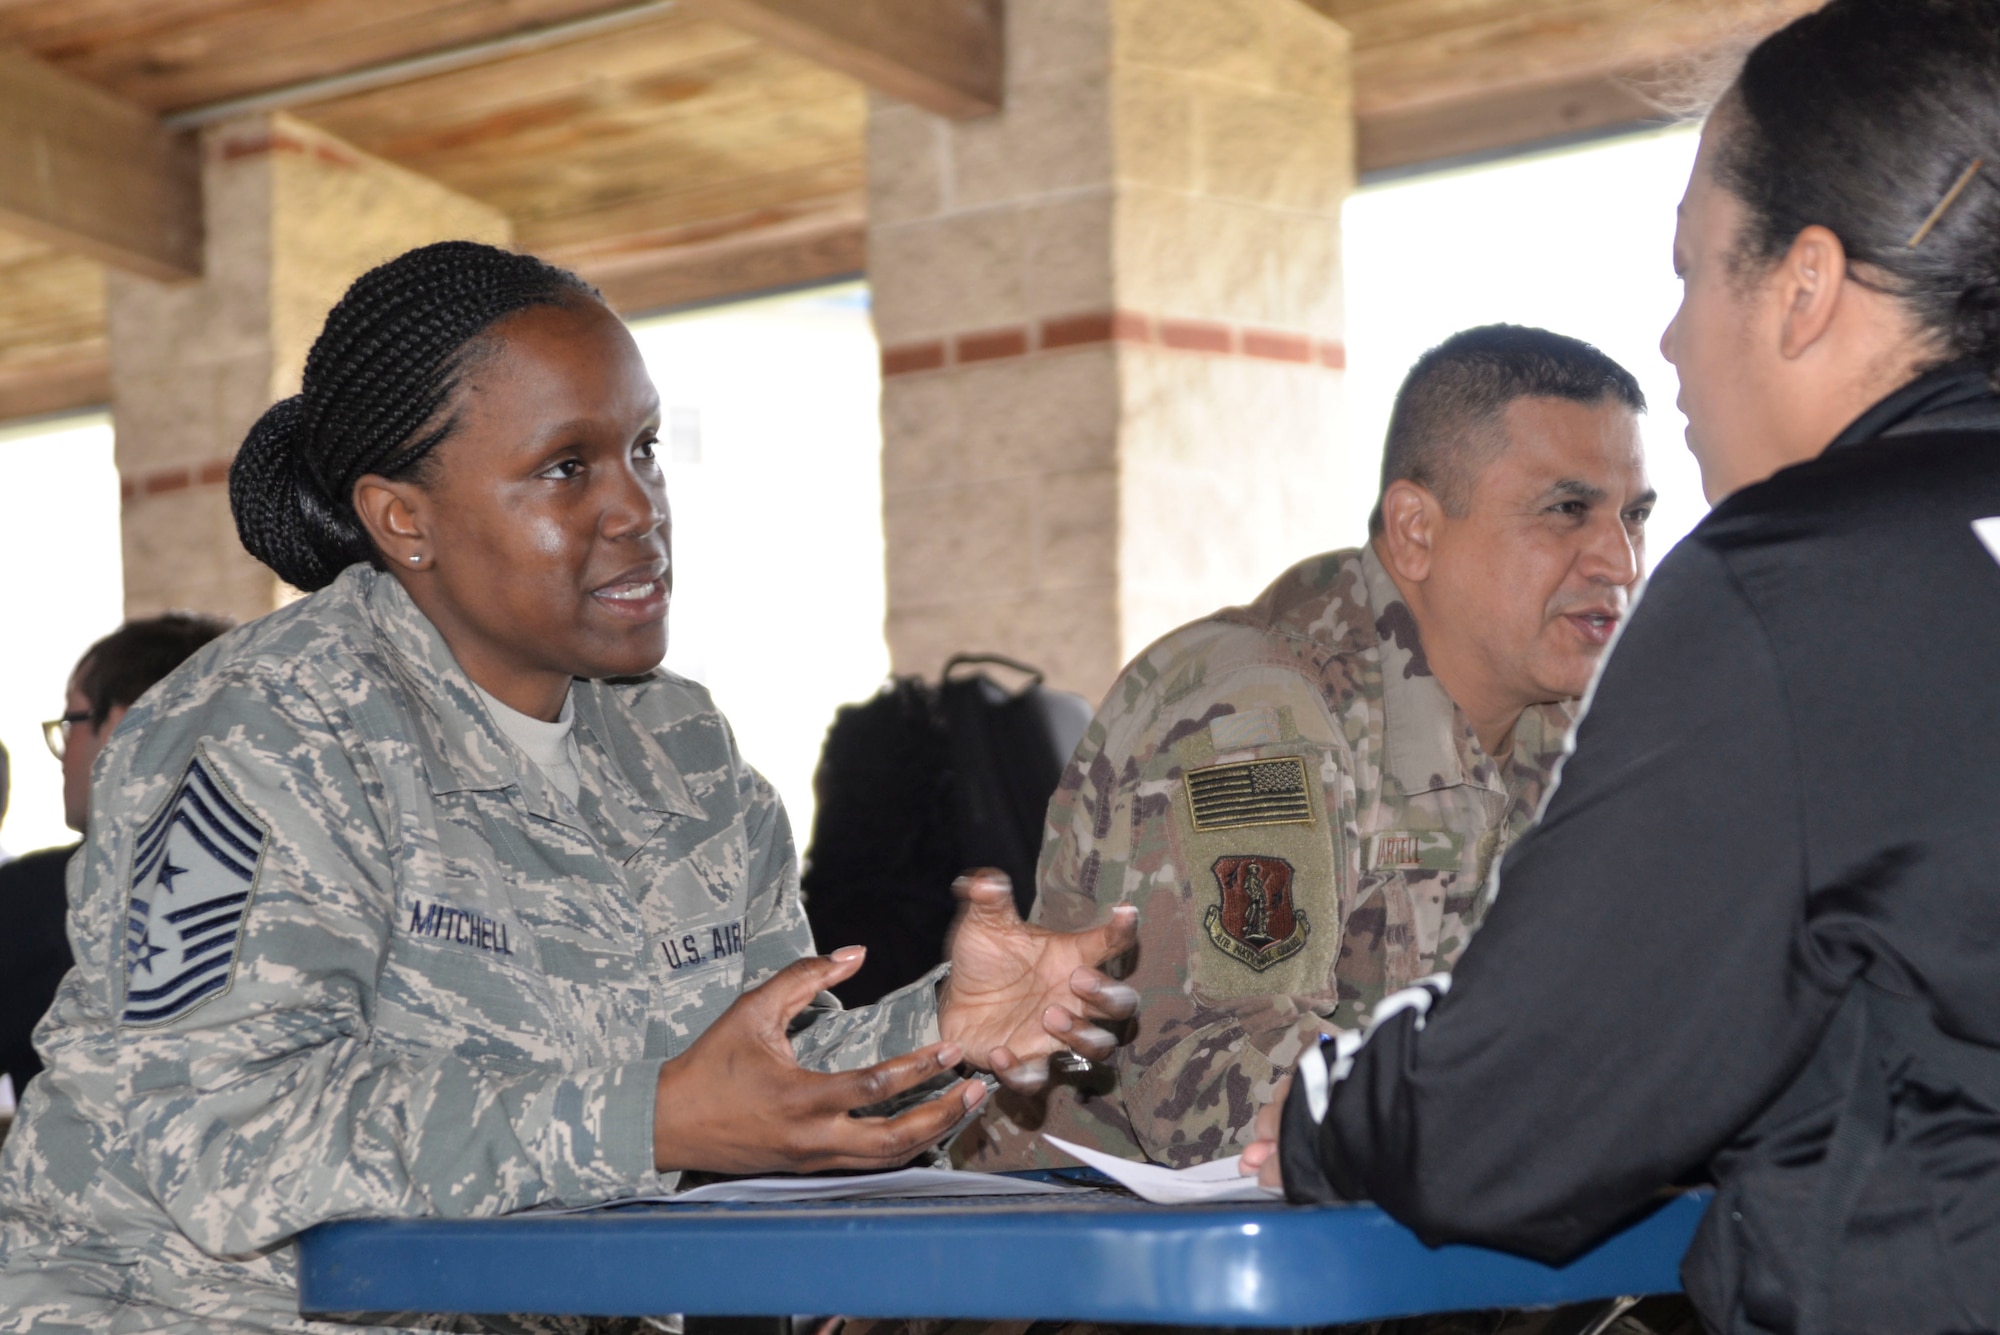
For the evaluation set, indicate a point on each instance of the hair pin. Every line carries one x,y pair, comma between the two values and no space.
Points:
1944,205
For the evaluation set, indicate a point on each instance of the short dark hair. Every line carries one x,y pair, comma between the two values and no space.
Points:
377,383
1863,117
124,665
1445,425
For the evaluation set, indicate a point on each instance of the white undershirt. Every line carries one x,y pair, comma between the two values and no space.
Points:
552,746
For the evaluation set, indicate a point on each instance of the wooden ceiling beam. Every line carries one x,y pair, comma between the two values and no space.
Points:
733,272
640,274
1413,53
946,56
91,173
1436,134
77,377
1444,83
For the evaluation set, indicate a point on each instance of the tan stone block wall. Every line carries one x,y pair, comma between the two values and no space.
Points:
337,213
293,216
1216,501
1001,520
189,361
189,538
1166,175
1274,48
1235,144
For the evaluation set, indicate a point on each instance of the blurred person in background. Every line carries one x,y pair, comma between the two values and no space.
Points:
34,946
1755,938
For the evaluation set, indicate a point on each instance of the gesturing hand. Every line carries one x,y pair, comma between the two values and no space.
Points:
737,1101
1018,992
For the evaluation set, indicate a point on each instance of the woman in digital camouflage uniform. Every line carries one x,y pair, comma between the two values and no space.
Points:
431,894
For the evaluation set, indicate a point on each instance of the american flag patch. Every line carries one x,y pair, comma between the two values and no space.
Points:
192,873
1250,792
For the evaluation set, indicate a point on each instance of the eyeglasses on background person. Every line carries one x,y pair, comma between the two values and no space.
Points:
56,731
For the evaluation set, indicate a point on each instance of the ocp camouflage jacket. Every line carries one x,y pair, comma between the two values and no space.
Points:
1305,821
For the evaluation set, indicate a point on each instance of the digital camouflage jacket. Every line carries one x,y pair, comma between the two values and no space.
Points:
343,950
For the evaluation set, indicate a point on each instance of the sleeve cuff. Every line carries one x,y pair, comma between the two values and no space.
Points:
595,1138
1306,1181
903,1021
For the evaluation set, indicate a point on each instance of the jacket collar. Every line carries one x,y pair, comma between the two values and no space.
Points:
1427,742
1956,397
628,781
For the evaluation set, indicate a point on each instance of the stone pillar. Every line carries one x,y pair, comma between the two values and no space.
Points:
293,215
1111,329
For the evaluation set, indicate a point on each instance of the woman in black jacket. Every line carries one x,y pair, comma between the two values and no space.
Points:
1756,937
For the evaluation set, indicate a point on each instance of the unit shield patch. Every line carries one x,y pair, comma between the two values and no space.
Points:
192,872
1256,921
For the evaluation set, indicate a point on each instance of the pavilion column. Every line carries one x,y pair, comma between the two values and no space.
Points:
1111,329
292,216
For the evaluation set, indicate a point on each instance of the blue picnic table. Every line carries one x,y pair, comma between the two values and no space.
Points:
1097,1256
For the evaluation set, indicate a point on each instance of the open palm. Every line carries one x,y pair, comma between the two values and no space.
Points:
1019,992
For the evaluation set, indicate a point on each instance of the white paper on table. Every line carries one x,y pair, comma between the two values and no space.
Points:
1221,1180
904,1183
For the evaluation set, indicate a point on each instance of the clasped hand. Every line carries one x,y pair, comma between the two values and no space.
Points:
737,1101
1260,1156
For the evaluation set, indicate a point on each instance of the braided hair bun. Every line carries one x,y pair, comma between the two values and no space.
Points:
377,383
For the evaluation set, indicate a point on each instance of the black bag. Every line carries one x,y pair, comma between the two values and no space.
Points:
917,785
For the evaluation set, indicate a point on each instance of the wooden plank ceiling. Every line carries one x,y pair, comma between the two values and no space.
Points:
1441,79
677,157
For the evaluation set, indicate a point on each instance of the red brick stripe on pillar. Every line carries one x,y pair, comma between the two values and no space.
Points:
1276,346
1093,328
1198,335
1131,327
212,473
1075,331
992,345
912,357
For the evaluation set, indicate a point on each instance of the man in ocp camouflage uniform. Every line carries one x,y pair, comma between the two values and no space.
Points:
1304,796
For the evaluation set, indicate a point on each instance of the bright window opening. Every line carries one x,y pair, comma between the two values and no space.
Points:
64,587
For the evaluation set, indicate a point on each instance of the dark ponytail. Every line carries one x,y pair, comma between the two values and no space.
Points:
376,385
1863,117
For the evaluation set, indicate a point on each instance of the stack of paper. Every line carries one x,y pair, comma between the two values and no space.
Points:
903,1184
1222,1180
1218,1181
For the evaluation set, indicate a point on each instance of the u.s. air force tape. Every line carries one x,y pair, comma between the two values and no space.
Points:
1250,792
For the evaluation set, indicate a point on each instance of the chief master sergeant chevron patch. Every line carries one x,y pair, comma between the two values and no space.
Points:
193,868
